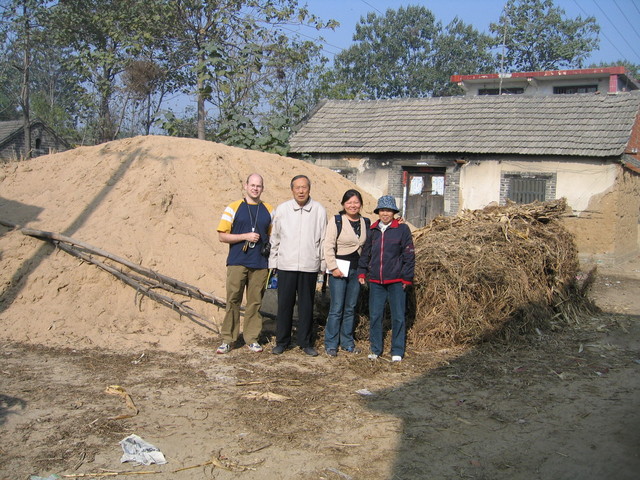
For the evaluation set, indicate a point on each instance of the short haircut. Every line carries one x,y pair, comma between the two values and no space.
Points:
298,177
255,175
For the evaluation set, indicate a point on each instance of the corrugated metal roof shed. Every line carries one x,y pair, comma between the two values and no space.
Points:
593,125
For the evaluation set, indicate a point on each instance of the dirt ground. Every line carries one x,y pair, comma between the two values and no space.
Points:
557,405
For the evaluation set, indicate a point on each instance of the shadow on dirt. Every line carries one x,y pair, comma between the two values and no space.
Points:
21,276
562,406
10,406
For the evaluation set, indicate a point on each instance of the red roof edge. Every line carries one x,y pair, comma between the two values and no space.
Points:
549,73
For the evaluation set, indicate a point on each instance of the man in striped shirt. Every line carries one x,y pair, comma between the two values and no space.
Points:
245,225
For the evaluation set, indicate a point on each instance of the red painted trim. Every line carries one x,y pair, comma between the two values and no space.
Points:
550,73
388,282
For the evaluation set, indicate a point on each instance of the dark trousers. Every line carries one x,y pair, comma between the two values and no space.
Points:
290,285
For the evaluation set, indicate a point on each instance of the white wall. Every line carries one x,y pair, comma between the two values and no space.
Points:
578,182
541,86
373,180
479,184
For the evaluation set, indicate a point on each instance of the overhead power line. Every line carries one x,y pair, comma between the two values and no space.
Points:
622,55
624,38
369,5
626,17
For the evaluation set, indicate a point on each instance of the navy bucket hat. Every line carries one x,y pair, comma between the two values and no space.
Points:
388,202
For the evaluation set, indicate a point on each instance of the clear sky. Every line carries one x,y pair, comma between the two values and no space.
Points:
619,20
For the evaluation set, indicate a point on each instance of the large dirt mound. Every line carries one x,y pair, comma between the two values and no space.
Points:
155,201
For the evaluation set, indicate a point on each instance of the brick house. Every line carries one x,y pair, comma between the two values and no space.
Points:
43,140
440,155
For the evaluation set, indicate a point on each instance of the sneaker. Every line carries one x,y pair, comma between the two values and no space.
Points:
372,356
277,350
332,352
224,348
396,358
255,347
354,350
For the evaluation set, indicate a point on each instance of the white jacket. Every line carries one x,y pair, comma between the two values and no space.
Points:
296,236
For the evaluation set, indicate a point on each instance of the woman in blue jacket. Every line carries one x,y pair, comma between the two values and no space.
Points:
387,261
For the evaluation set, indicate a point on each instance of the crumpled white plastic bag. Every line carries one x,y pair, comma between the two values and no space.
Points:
137,450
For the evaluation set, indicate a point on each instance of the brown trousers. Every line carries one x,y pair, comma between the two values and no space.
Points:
239,279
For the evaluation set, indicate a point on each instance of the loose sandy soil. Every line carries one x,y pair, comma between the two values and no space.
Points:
555,405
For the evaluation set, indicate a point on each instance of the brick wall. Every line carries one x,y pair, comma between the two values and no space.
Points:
452,191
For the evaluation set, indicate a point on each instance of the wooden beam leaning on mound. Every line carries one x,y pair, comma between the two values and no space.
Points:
145,281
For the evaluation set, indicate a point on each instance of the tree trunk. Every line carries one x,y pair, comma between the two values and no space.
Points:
25,86
201,111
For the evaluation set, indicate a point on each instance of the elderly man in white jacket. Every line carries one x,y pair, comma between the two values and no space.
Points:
296,252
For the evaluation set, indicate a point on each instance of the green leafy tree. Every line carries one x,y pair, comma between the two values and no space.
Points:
146,82
280,99
52,88
535,35
102,36
290,93
8,99
632,68
406,53
185,126
229,45
19,30
57,97
390,56
460,50
9,80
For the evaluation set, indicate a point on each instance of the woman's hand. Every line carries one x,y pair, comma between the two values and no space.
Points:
337,273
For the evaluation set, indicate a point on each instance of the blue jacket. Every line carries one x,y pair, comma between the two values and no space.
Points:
388,257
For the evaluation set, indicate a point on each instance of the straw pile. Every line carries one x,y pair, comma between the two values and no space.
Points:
501,269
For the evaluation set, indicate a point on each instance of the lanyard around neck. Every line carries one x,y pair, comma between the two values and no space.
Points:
253,222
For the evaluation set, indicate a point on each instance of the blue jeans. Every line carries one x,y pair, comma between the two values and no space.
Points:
344,296
378,295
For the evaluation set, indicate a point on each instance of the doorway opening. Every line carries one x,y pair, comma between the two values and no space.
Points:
423,194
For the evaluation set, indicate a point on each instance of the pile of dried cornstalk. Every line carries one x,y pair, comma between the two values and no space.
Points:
501,269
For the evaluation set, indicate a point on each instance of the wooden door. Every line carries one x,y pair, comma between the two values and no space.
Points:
424,194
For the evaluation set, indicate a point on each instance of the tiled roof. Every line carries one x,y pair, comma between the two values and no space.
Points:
8,128
597,125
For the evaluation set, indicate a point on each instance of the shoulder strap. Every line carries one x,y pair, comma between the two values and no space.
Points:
367,223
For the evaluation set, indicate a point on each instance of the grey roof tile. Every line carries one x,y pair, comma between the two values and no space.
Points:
8,128
585,125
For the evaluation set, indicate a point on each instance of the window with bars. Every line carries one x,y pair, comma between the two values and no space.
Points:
575,89
527,189
504,91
